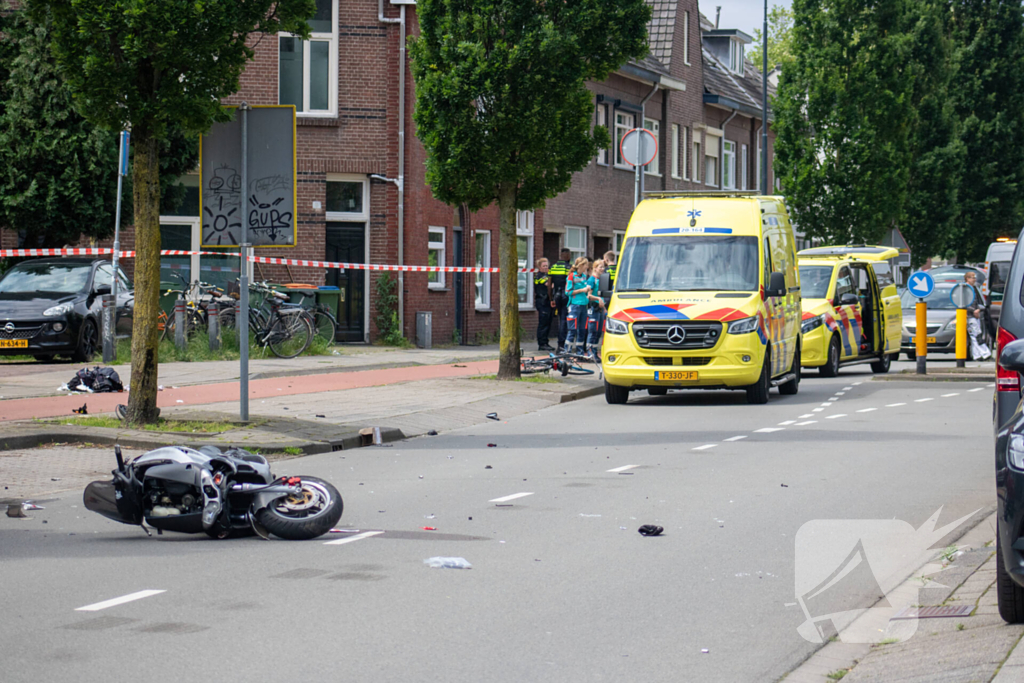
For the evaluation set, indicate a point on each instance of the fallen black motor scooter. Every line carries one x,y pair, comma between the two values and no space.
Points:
221,493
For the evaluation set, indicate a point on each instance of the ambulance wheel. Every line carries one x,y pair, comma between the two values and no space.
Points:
757,393
881,366
614,395
831,366
792,386
658,391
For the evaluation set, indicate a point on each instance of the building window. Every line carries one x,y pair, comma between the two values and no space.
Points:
435,257
483,260
711,161
675,150
576,241
620,236
346,197
602,120
736,57
696,161
308,69
524,251
653,168
728,165
743,167
682,151
686,38
623,124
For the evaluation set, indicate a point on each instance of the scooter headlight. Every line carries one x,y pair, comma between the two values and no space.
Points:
613,326
743,326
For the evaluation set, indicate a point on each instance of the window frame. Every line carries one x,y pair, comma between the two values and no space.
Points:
744,168
618,239
712,157
524,230
675,152
602,120
482,281
348,216
617,139
736,57
696,159
686,38
576,252
654,125
433,245
332,68
728,165
685,159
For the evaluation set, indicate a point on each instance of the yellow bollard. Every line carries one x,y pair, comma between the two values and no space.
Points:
921,337
961,337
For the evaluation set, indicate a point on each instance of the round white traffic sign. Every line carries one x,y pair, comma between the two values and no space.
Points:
638,147
962,295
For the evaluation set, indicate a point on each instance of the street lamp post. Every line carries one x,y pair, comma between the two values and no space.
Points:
764,103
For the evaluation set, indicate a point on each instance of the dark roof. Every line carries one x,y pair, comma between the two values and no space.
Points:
722,86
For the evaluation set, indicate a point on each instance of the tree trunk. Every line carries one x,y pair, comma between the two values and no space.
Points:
508,306
146,194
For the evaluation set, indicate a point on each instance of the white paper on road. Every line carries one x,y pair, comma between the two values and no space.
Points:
113,602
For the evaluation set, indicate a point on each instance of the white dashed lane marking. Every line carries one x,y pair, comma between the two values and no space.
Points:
505,499
736,438
804,417
840,393
622,469
826,405
705,447
817,410
834,417
895,405
978,389
769,430
353,539
857,384
847,388
867,410
950,395
786,423
113,602
922,400
804,424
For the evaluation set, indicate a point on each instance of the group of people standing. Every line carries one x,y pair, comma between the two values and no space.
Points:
571,291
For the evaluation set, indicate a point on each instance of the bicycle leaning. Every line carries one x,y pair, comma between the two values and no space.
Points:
286,330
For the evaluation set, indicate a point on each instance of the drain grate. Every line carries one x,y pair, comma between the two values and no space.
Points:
940,612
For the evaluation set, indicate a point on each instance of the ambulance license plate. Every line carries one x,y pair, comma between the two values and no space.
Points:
929,340
675,376
13,343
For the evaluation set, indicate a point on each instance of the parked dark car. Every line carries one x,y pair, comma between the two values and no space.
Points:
51,307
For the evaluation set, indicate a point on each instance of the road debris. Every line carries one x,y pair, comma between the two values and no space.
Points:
16,511
650,530
492,416
488,467
29,505
84,410
432,432
429,528
492,445
447,563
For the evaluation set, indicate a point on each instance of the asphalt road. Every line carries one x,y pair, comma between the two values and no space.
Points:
562,588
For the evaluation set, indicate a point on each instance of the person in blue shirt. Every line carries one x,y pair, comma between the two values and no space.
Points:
595,310
577,288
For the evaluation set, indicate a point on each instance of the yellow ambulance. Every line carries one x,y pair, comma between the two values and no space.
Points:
707,296
851,309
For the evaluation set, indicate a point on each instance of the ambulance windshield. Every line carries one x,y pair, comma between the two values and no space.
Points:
688,263
814,281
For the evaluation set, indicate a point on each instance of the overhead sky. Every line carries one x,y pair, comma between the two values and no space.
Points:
746,15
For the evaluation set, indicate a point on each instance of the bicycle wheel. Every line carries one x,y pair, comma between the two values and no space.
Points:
289,335
325,325
533,365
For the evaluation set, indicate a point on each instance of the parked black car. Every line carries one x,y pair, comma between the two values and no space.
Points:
51,307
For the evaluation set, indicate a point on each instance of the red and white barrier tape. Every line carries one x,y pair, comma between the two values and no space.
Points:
261,259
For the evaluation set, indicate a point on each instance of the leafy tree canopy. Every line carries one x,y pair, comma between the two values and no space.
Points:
780,39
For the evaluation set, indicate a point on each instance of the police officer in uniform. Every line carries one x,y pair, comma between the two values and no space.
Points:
557,275
544,302
610,267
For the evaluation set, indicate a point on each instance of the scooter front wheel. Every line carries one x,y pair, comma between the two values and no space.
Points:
308,514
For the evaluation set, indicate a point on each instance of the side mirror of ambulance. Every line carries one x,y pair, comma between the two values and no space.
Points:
605,285
848,299
1012,356
776,285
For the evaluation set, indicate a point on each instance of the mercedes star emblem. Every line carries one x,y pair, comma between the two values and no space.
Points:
9,328
676,334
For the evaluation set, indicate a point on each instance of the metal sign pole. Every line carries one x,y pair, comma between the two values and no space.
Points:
636,169
110,312
764,104
243,281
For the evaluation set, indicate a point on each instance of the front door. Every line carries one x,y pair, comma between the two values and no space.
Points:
346,243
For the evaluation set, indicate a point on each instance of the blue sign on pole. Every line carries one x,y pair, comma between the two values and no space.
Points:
921,284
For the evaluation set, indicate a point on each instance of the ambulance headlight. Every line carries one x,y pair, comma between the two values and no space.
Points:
613,326
744,326
812,323
1016,451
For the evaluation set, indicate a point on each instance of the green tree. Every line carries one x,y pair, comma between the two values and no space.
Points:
503,110
152,65
989,100
844,114
932,207
780,39
58,172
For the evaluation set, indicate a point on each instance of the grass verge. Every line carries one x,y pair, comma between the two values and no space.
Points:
162,425
533,379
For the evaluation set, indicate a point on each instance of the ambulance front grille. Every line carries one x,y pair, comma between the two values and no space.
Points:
683,334
685,360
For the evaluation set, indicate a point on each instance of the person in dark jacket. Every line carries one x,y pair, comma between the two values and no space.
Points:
544,302
558,273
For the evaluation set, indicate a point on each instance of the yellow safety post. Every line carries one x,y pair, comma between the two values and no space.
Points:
961,337
921,337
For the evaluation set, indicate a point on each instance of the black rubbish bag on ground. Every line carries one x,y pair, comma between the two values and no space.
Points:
98,380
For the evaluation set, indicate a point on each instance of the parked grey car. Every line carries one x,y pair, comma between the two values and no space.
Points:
941,331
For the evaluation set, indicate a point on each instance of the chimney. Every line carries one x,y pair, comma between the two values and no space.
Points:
718,14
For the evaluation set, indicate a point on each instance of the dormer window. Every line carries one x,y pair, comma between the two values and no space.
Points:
736,57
